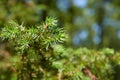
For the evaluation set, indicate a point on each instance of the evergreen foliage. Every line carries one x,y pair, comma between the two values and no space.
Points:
40,55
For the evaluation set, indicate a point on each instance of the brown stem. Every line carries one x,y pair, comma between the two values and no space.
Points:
87,72
60,75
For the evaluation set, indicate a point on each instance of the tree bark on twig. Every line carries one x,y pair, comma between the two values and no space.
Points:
59,75
88,73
